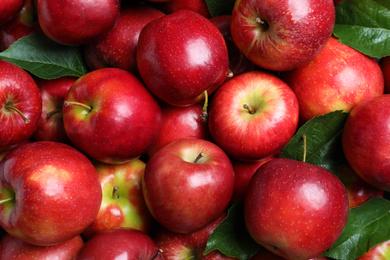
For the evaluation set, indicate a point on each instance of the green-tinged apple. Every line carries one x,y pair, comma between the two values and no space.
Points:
253,116
187,184
366,141
295,209
21,105
384,63
16,249
379,252
282,35
199,6
180,56
10,9
123,204
49,192
121,243
111,116
338,78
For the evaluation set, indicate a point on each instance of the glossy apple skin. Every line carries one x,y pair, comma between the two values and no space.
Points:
338,78
172,6
180,122
378,252
56,192
51,125
179,61
294,209
365,141
13,248
294,31
119,47
254,136
119,243
18,89
124,207
385,66
9,9
77,22
184,196
125,119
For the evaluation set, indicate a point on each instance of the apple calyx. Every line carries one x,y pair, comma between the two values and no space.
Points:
115,195
250,109
200,155
9,106
263,25
75,103
204,116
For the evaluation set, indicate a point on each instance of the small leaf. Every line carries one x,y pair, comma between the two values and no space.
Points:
367,226
45,58
364,25
231,236
220,7
323,139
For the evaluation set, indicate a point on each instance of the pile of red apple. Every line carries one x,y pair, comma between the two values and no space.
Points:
181,115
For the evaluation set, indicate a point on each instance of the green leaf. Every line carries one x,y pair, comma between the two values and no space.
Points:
323,141
367,226
364,25
45,58
231,236
220,7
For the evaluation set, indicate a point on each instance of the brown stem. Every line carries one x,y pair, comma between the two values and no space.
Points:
9,106
250,109
75,103
115,195
204,116
5,200
51,113
157,254
304,148
230,74
259,20
200,155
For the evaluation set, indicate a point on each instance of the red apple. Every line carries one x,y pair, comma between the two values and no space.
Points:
13,248
77,22
385,66
51,125
179,61
111,116
253,116
21,103
187,184
9,9
338,78
295,209
282,35
123,204
199,6
120,244
119,47
49,193
378,252
366,138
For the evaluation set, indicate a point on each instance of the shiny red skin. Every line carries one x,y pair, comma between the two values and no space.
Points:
51,125
13,248
385,66
56,189
125,119
251,137
297,31
184,196
179,61
19,89
180,122
199,6
119,47
120,244
366,138
77,22
295,209
379,252
338,78
9,9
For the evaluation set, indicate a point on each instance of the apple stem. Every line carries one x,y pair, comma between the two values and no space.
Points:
115,195
250,109
51,113
259,20
9,106
157,254
200,155
230,73
69,103
304,148
6,200
204,116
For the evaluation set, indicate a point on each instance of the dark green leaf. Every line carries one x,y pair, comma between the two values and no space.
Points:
367,226
220,7
45,58
364,25
323,141
231,236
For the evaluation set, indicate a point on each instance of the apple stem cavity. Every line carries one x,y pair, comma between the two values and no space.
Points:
115,195
304,148
9,106
75,103
51,113
200,155
250,109
204,116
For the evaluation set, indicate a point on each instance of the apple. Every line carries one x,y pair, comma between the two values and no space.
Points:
51,125
179,61
77,22
119,47
9,9
379,252
187,184
199,6
366,138
111,116
13,248
385,66
338,78
49,193
21,105
282,35
295,209
123,204
180,122
253,116
121,243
